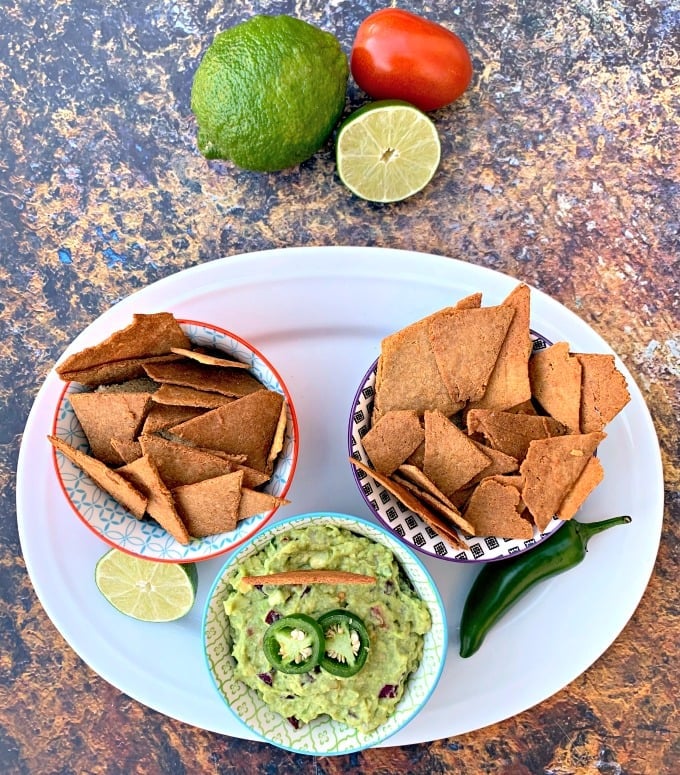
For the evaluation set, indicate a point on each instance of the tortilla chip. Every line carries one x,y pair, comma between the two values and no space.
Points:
500,463
473,301
144,476
115,485
176,395
556,384
114,372
590,477
257,502
279,438
550,471
391,440
604,391
409,500
105,415
417,459
129,450
466,343
494,510
304,576
511,433
162,417
408,376
509,383
211,506
247,426
210,360
451,458
227,382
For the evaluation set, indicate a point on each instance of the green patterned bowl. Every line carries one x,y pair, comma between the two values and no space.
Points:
322,736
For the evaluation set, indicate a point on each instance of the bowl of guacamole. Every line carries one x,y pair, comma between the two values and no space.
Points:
324,634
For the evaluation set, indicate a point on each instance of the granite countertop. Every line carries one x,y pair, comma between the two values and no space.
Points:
559,168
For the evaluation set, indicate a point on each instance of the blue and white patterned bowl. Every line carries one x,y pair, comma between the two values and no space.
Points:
323,736
406,524
111,522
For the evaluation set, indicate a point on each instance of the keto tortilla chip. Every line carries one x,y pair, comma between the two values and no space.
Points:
604,391
210,360
500,463
146,336
391,440
556,384
105,415
279,438
466,344
442,526
176,395
473,301
408,376
509,383
144,476
509,432
494,509
113,483
114,372
590,477
227,382
247,426
211,506
551,469
128,449
256,502
451,458
304,576
161,417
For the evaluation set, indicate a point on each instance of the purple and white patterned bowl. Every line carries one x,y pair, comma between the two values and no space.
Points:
144,538
407,525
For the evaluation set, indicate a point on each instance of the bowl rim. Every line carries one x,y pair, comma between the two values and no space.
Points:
529,544
202,558
395,545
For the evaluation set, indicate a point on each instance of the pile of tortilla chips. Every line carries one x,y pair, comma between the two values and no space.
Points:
176,433
478,436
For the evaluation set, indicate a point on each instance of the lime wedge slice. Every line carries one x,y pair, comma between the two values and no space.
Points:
387,151
144,589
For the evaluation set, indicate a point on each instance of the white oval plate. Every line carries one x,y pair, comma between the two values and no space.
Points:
319,314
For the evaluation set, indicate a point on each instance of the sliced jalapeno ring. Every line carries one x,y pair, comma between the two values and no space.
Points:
346,643
294,644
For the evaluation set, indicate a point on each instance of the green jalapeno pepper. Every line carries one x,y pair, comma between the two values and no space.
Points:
500,584
346,643
294,644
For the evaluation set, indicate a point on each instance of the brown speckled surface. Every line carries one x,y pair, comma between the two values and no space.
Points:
560,167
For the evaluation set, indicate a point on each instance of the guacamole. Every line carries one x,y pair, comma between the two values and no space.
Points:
394,616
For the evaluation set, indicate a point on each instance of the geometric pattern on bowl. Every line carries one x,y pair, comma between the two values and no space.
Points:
144,538
406,524
322,736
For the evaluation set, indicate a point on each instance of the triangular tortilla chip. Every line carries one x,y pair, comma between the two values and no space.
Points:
438,523
509,381
227,382
115,371
279,438
128,449
247,425
391,440
604,391
114,484
494,510
176,395
451,458
556,384
466,343
473,301
147,335
500,463
211,506
210,360
550,470
105,415
590,477
256,502
144,476
509,432
408,376
162,416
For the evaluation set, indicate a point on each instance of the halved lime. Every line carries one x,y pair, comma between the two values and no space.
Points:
387,151
145,589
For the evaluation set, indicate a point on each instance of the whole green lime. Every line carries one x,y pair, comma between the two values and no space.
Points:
268,92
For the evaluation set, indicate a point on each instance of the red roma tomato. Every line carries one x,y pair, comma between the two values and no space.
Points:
399,55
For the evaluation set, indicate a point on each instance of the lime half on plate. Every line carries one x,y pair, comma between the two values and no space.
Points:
387,151
144,589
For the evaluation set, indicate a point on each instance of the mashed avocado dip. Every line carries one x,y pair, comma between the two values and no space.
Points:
395,617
